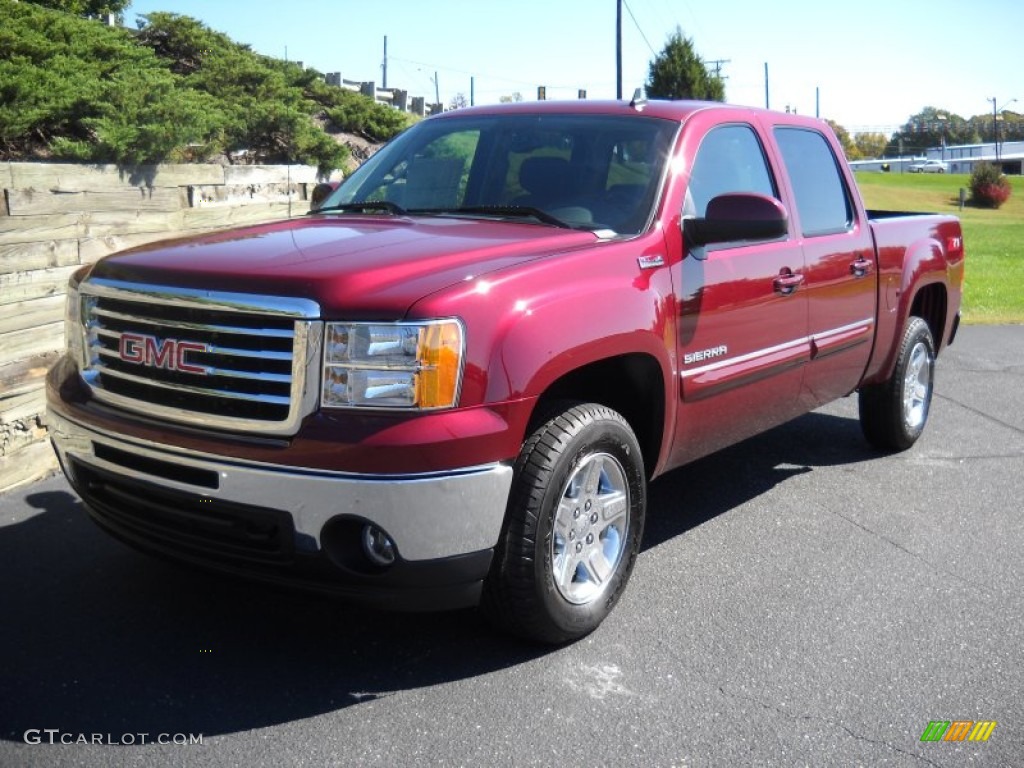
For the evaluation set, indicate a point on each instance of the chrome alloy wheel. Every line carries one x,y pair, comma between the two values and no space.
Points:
590,528
917,386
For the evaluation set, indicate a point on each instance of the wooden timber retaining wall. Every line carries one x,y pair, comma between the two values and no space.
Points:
57,217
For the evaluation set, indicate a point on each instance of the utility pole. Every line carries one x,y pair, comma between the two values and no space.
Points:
618,49
817,102
288,173
472,91
717,64
437,89
767,105
384,66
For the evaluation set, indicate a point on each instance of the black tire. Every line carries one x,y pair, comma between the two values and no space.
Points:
561,567
893,414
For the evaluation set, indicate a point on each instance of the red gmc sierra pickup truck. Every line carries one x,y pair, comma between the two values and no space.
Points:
451,384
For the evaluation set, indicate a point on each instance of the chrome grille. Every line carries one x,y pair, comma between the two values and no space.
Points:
231,361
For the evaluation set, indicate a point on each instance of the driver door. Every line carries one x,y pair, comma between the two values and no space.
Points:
742,324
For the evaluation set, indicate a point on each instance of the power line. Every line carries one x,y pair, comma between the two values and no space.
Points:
664,16
476,73
637,25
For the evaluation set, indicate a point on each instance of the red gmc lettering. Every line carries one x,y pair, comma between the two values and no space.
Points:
159,353
130,348
179,358
169,354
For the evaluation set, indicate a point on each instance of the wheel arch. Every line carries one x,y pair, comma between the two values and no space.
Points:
931,304
630,384
919,291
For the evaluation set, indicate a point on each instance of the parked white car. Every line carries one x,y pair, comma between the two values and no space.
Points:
929,166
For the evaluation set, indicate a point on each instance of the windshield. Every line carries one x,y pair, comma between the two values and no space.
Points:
597,172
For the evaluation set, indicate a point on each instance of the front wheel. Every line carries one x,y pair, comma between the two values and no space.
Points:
573,526
893,414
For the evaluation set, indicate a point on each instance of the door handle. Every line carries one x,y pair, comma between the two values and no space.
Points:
860,267
787,283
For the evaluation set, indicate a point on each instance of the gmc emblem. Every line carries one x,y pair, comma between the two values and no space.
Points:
169,354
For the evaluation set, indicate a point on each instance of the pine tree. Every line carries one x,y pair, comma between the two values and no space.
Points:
679,73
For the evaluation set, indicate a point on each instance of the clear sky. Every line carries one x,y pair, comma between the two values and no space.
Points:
875,62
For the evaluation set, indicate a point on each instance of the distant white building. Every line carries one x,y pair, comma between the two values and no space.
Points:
959,159
962,158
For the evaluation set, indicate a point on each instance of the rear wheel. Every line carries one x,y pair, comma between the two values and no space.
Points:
893,414
573,527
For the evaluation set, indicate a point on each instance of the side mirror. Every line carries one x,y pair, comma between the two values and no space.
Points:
320,193
737,216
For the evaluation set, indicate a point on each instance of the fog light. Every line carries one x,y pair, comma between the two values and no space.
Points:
378,546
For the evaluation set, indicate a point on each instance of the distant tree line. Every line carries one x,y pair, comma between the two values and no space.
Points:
932,127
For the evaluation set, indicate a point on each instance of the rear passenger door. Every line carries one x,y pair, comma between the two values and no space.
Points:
841,273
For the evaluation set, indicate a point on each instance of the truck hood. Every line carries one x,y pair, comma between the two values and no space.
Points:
354,266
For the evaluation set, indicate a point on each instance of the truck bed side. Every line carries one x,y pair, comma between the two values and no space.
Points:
920,269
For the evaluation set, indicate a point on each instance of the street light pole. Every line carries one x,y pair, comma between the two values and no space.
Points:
995,122
942,124
995,128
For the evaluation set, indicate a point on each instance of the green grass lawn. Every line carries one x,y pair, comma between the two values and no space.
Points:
994,240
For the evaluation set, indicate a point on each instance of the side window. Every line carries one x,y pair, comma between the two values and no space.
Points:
730,159
822,199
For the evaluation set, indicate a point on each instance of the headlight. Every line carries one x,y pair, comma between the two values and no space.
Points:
396,365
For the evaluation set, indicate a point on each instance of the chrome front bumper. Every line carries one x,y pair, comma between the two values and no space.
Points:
429,516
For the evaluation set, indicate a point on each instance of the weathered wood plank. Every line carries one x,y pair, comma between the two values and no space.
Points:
244,214
269,174
244,194
32,229
69,177
22,315
26,374
22,257
130,223
36,202
26,405
93,248
37,284
35,341
26,464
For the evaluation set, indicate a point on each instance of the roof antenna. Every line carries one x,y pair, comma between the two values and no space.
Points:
639,99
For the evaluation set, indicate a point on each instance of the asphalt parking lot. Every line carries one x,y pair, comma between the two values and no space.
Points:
800,600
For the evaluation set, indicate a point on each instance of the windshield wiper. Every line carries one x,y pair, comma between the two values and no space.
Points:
368,206
513,211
